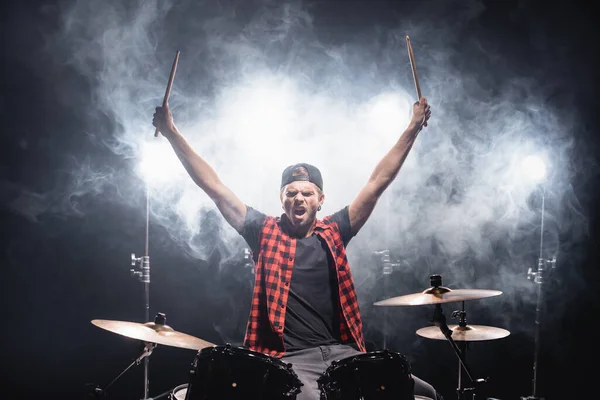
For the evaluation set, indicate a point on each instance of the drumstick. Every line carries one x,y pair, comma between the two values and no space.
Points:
414,67
168,91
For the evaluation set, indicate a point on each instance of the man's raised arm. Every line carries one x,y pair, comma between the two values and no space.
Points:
230,206
386,170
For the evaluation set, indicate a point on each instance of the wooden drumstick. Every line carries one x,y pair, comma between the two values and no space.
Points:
169,85
411,55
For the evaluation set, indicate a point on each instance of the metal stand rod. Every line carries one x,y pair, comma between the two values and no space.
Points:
387,269
386,283
146,281
539,278
144,277
463,345
146,352
460,388
538,306
160,396
536,339
439,320
146,266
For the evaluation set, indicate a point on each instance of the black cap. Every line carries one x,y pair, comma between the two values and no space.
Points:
290,175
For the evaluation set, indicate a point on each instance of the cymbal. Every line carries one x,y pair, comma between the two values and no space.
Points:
438,295
153,333
469,333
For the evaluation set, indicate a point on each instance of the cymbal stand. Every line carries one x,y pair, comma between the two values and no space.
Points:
143,275
539,278
463,345
387,269
439,320
146,352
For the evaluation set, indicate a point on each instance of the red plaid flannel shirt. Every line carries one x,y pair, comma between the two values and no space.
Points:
273,273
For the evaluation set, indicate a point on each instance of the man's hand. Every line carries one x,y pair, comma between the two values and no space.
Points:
163,120
421,113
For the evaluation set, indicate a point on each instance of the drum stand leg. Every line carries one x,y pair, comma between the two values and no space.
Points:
146,352
460,390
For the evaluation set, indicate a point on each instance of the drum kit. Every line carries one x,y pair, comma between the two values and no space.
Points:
229,372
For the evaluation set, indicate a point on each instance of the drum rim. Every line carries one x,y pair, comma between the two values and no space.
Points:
209,351
370,356
341,366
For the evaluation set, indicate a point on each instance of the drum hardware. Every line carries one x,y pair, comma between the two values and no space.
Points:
539,278
439,320
143,275
143,263
387,267
146,351
437,295
150,334
248,261
141,271
463,335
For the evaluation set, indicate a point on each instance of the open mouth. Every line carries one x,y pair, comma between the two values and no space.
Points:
299,211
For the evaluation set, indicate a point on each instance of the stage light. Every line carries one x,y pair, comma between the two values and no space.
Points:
158,162
385,113
534,168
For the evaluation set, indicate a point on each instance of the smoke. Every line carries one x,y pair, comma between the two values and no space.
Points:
264,84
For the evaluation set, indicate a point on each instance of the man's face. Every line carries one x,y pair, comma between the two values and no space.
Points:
300,200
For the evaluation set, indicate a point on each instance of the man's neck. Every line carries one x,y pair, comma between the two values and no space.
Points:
299,232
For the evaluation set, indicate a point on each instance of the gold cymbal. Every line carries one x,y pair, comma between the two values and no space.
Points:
469,333
438,295
153,333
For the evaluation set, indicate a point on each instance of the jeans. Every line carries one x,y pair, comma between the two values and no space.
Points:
310,364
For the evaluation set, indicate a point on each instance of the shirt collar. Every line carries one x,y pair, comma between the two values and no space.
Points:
285,223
